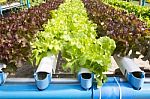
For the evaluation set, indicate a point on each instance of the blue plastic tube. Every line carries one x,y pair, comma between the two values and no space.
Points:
3,77
28,3
111,91
114,88
1,10
54,91
131,71
21,2
142,2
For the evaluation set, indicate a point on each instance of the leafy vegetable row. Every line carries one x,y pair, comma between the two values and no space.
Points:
36,2
129,32
141,12
70,32
19,29
8,1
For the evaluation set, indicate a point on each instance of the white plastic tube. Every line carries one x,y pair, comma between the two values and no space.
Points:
2,66
47,64
85,77
43,75
131,71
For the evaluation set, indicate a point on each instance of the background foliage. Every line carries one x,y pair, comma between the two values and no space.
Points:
129,32
71,32
19,29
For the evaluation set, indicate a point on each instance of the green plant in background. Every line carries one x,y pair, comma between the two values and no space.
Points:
148,1
70,32
130,33
7,1
141,12
32,2
3,1
19,29
36,2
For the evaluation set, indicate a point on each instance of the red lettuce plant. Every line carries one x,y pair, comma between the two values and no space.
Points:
19,29
129,32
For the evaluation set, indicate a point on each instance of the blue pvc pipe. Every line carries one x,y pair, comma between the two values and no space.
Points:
136,82
1,10
54,91
43,83
112,89
3,77
28,3
131,71
142,2
21,2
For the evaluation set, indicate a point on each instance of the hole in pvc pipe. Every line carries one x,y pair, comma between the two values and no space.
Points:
86,75
42,75
138,74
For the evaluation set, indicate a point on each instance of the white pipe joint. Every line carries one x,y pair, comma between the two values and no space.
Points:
3,75
85,78
131,71
44,71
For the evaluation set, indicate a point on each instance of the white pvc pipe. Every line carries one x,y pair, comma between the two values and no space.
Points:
2,66
47,64
31,80
126,65
57,80
131,71
84,70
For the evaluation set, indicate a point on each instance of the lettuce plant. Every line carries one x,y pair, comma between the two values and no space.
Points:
19,29
71,32
128,31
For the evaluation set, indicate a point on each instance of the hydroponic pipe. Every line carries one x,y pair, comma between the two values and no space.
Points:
21,2
114,88
85,78
43,73
142,2
54,91
28,3
1,10
131,71
3,75
123,90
